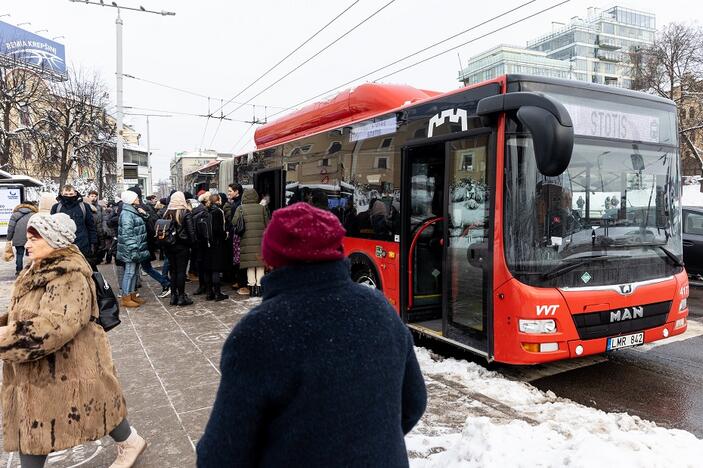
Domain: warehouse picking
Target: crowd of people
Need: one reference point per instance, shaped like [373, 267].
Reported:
[337, 384]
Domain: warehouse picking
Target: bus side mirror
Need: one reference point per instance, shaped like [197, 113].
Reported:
[553, 142]
[548, 121]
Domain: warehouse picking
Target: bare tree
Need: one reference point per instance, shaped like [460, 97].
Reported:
[673, 68]
[74, 129]
[21, 91]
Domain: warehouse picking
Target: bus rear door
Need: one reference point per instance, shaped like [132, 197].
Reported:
[446, 240]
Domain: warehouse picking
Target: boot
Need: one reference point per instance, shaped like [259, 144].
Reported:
[184, 300]
[244, 291]
[174, 298]
[138, 299]
[129, 450]
[218, 294]
[128, 302]
[210, 295]
[200, 291]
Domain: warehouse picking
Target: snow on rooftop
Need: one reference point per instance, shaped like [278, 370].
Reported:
[478, 418]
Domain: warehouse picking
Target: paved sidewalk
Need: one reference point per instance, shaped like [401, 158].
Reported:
[168, 363]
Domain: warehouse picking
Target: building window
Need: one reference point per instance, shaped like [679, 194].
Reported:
[324, 162]
[386, 143]
[467, 162]
[292, 166]
[24, 115]
[381, 163]
[334, 147]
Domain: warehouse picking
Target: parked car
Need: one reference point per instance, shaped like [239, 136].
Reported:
[693, 240]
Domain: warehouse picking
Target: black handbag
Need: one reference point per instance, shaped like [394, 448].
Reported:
[240, 227]
[109, 316]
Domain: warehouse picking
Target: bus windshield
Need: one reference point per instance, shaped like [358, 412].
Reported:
[612, 217]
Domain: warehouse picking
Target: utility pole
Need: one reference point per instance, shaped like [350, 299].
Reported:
[148, 142]
[119, 75]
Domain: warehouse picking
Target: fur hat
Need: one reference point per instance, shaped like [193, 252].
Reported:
[58, 230]
[301, 233]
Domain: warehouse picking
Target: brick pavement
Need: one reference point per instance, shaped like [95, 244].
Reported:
[167, 360]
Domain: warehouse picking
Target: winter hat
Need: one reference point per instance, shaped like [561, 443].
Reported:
[58, 230]
[128, 197]
[301, 233]
[178, 202]
[46, 202]
[136, 189]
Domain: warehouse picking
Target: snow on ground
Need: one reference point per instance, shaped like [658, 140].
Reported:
[478, 418]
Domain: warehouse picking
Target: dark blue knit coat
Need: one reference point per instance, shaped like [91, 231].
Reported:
[322, 374]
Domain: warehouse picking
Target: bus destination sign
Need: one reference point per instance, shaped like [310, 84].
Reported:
[607, 123]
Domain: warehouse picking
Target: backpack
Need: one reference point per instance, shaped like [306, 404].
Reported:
[165, 232]
[202, 227]
[81, 204]
[109, 316]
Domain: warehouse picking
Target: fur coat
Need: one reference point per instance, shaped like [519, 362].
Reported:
[59, 388]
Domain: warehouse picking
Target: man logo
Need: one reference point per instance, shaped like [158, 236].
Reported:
[625, 289]
[627, 314]
[454, 115]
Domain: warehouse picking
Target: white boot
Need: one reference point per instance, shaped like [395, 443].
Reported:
[129, 450]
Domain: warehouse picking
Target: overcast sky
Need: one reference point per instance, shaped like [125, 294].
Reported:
[216, 48]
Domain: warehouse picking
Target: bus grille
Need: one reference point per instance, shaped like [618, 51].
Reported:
[616, 321]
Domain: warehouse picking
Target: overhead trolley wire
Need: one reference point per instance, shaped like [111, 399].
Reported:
[314, 55]
[324, 93]
[287, 56]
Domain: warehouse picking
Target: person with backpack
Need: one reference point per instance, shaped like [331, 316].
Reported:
[252, 217]
[17, 231]
[70, 202]
[334, 384]
[177, 237]
[220, 251]
[203, 234]
[59, 386]
[132, 247]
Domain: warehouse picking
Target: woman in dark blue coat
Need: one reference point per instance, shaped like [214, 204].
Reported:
[323, 373]
[132, 247]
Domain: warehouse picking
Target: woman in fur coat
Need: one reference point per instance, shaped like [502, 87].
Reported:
[59, 388]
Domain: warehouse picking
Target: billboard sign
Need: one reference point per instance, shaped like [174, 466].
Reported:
[19, 45]
[10, 197]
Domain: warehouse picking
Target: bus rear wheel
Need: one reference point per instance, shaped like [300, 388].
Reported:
[365, 275]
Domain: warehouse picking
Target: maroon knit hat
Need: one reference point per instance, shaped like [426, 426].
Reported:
[301, 233]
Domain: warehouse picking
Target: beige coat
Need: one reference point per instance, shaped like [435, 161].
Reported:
[59, 388]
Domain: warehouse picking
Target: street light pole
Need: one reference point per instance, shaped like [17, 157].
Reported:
[119, 77]
[120, 111]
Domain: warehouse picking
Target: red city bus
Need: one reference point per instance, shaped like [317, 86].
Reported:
[525, 219]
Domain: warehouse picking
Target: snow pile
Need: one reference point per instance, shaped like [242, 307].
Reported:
[519, 425]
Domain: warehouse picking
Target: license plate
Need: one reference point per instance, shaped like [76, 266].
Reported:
[625, 341]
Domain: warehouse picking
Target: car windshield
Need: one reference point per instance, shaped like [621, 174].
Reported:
[617, 198]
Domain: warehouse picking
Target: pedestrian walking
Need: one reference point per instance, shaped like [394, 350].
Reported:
[59, 387]
[219, 249]
[71, 203]
[17, 232]
[132, 248]
[178, 213]
[255, 221]
[336, 383]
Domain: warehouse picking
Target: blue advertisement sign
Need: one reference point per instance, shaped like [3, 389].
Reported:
[24, 46]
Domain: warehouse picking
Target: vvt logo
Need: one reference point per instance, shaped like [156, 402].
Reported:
[547, 309]
[454, 116]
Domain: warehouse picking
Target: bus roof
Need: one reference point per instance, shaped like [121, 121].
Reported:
[373, 100]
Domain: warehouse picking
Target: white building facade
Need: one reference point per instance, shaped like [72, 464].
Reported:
[596, 49]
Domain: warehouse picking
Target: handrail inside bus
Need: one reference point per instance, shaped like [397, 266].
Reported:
[413, 244]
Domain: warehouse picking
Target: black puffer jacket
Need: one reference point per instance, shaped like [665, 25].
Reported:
[86, 234]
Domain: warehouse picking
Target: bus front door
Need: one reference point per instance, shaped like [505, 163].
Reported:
[270, 184]
[446, 207]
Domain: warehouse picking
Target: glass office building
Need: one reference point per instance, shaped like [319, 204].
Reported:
[595, 49]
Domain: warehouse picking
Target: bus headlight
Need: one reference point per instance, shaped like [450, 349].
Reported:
[537, 326]
[683, 304]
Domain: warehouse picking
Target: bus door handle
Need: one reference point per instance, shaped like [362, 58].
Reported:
[687, 244]
[476, 254]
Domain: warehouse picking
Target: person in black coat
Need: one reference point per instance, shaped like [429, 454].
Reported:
[178, 212]
[322, 373]
[70, 202]
[220, 249]
[200, 253]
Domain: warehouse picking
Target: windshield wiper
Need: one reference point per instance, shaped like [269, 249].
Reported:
[562, 269]
[672, 256]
